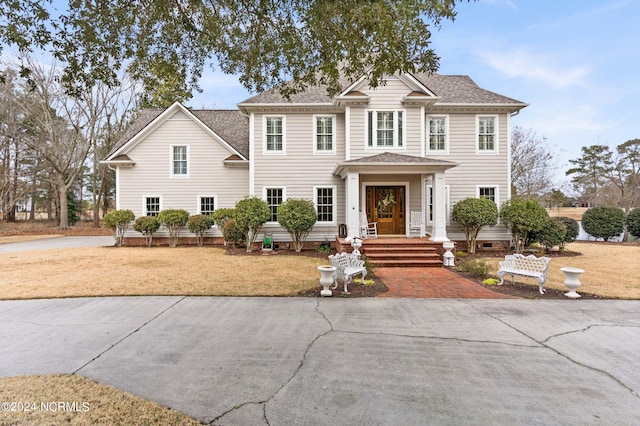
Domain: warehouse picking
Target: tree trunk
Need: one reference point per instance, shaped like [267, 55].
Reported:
[64, 208]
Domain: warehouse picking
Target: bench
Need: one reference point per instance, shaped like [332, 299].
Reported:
[347, 265]
[527, 266]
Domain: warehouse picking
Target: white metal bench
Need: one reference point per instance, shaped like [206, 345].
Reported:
[527, 266]
[347, 265]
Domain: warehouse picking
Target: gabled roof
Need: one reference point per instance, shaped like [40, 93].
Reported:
[231, 127]
[449, 90]
[395, 158]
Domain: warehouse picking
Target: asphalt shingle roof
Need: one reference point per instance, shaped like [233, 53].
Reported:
[394, 158]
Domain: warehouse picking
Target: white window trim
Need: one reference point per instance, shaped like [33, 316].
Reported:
[497, 189]
[395, 146]
[199, 202]
[447, 189]
[171, 174]
[264, 197]
[444, 151]
[496, 141]
[315, 134]
[144, 203]
[265, 151]
[334, 206]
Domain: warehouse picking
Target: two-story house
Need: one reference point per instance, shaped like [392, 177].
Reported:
[417, 144]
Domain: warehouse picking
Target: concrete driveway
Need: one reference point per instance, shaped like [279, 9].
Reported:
[290, 361]
[57, 243]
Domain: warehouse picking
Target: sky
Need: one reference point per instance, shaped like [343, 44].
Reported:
[575, 62]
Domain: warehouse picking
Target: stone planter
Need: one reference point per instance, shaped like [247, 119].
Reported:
[326, 279]
[572, 280]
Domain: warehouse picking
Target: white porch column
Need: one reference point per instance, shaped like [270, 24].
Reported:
[352, 204]
[439, 231]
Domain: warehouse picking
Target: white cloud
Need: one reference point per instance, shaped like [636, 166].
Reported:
[519, 63]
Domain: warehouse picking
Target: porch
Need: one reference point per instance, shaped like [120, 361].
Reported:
[398, 251]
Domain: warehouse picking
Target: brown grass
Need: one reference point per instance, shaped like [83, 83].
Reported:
[89, 403]
[128, 271]
[19, 238]
[572, 212]
[611, 270]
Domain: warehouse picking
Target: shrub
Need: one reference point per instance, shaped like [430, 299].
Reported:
[221, 216]
[633, 222]
[174, 220]
[552, 234]
[521, 218]
[474, 214]
[478, 269]
[232, 234]
[147, 226]
[297, 216]
[199, 224]
[603, 222]
[573, 230]
[251, 213]
[119, 220]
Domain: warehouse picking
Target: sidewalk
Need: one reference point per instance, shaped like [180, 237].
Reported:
[432, 283]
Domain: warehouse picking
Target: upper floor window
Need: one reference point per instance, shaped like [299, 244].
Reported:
[324, 134]
[487, 133]
[438, 134]
[274, 197]
[385, 129]
[274, 134]
[206, 205]
[152, 206]
[325, 203]
[179, 160]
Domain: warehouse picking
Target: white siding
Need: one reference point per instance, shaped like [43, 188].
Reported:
[208, 176]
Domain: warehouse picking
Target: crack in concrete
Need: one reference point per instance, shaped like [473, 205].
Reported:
[582, 330]
[295, 373]
[129, 335]
[563, 355]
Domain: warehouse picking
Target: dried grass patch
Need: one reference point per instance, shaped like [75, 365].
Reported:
[128, 271]
[85, 402]
[611, 270]
[20, 238]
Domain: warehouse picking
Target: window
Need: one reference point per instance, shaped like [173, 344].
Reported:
[207, 205]
[438, 134]
[152, 206]
[385, 129]
[487, 134]
[274, 134]
[179, 160]
[325, 200]
[324, 134]
[490, 192]
[274, 197]
[430, 204]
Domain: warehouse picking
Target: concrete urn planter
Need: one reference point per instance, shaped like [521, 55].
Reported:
[572, 280]
[326, 279]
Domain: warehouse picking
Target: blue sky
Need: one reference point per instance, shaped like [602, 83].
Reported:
[576, 62]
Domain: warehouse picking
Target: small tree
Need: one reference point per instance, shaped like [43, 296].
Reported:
[522, 217]
[251, 214]
[174, 220]
[118, 220]
[603, 222]
[572, 230]
[220, 219]
[633, 222]
[474, 214]
[199, 224]
[147, 226]
[232, 235]
[297, 216]
[552, 234]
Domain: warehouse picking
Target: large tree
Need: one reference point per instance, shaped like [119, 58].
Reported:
[590, 171]
[170, 42]
[532, 164]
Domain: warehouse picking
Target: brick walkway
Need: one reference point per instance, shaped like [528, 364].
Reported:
[432, 283]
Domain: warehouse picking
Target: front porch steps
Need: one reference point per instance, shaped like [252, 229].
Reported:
[401, 252]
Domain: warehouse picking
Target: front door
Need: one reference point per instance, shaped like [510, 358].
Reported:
[385, 206]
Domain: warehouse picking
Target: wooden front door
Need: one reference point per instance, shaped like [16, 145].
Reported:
[385, 206]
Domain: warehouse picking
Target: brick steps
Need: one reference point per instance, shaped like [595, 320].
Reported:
[402, 253]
